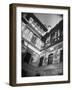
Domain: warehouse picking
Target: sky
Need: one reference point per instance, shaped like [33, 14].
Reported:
[49, 19]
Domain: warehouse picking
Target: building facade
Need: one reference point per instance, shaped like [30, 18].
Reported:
[42, 51]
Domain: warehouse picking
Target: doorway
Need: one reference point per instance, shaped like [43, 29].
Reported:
[26, 58]
[41, 61]
[61, 55]
[50, 59]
